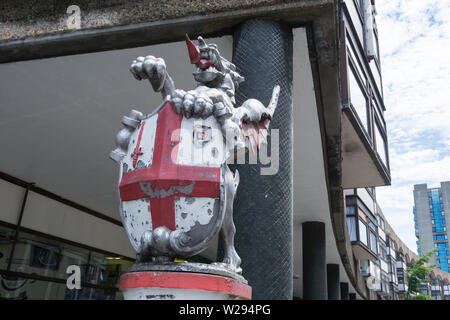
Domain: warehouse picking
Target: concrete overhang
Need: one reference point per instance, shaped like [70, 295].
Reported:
[361, 252]
[361, 165]
[42, 31]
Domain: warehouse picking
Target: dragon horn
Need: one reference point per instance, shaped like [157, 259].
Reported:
[194, 51]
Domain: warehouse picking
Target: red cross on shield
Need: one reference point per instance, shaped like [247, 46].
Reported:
[149, 194]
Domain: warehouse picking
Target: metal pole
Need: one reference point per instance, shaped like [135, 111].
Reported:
[19, 222]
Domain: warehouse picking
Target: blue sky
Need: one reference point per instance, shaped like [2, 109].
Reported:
[415, 61]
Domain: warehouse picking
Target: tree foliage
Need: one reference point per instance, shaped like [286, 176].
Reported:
[421, 296]
[417, 275]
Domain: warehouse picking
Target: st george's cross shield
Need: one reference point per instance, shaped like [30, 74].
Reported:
[172, 176]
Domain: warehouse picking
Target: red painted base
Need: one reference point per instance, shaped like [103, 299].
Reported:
[182, 285]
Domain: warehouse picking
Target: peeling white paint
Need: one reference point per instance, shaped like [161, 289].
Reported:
[136, 218]
[188, 211]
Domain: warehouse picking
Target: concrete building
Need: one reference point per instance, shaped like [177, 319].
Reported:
[65, 85]
[430, 219]
[382, 256]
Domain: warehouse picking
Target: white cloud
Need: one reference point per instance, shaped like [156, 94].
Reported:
[415, 57]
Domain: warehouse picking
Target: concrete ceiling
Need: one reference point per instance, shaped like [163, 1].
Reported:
[59, 117]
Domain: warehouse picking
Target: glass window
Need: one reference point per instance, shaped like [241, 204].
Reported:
[382, 250]
[372, 226]
[106, 270]
[362, 232]
[373, 242]
[350, 210]
[375, 37]
[351, 226]
[42, 256]
[358, 99]
[31, 289]
[38, 255]
[381, 145]
[355, 59]
[6, 242]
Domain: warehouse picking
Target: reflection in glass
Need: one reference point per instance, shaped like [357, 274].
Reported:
[12, 288]
[351, 225]
[373, 242]
[381, 146]
[362, 232]
[358, 99]
[6, 242]
[46, 257]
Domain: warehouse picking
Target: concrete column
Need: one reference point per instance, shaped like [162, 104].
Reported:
[344, 291]
[263, 209]
[334, 289]
[314, 261]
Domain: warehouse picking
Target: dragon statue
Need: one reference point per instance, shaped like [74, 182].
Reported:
[244, 126]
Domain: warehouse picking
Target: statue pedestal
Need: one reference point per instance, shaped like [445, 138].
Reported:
[183, 281]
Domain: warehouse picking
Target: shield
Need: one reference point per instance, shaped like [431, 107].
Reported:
[173, 176]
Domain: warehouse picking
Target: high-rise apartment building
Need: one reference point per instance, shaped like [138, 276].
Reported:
[430, 210]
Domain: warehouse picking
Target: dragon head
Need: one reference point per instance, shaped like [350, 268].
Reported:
[212, 68]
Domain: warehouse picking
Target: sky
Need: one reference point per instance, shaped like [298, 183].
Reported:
[414, 40]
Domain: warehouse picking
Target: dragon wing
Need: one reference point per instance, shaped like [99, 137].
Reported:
[254, 119]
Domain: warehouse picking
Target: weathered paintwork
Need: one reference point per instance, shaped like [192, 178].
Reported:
[182, 285]
[170, 177]
[176, 190]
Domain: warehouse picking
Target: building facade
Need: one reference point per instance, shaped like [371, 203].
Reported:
[383, 258]
[430, 221]
[312, 230]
